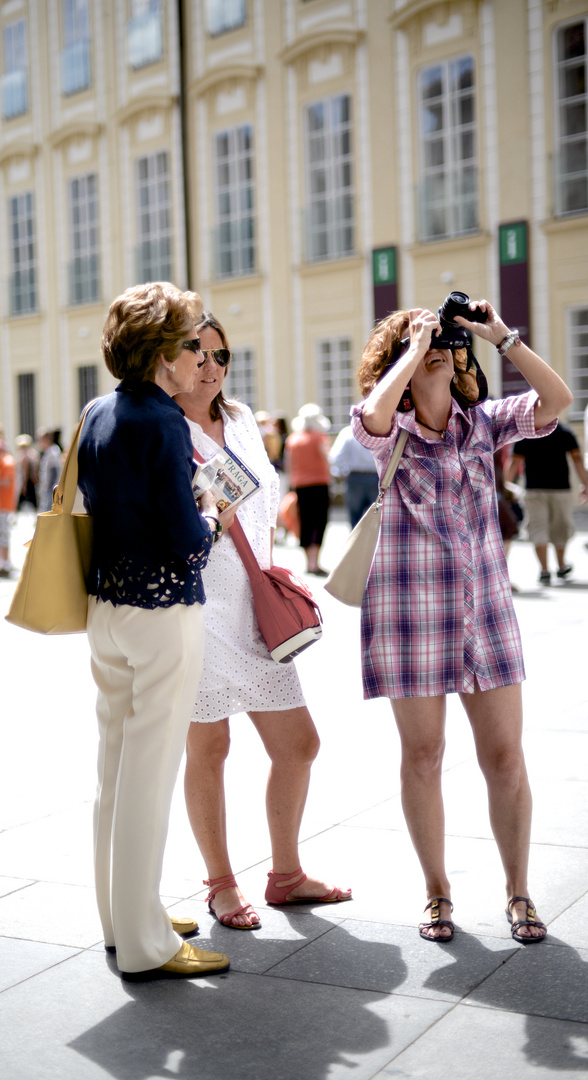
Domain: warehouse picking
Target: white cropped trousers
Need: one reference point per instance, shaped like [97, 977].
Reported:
[147, 666]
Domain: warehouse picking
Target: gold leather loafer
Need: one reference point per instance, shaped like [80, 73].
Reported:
[183, 925]
[188, 963]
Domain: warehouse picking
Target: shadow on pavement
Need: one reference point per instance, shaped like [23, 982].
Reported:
[239, 1024]
[546, 983]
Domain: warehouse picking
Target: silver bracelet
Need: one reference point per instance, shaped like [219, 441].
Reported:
[512, 338]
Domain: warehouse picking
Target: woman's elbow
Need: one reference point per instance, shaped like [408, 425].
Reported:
[375, 421]
[561, 400]
[548, 408]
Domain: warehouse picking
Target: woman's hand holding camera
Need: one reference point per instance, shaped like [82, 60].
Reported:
[493, 330]
[422, 325]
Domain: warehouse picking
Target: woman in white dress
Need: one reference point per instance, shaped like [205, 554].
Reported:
[252, 682]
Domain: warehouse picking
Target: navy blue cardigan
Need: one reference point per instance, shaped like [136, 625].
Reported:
[135, 465]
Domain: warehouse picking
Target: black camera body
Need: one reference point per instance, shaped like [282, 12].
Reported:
[454, 336]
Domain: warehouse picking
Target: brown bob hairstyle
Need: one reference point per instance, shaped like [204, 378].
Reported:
[209, 321]
[144, 323]
[384, 347]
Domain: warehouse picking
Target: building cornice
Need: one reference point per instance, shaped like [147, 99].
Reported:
[331, 266]
[450, 244]
[18, 148]
[438, 8]
[223, 73]
[76, 129]
[334, 35]
[163, 102]
[573, 223]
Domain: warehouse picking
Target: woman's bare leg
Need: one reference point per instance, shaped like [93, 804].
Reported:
[292, 743]
[421, 725]
[496, 717]
[207, 748]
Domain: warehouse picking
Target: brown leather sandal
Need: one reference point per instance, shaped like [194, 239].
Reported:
[530, 920]
[436, 921]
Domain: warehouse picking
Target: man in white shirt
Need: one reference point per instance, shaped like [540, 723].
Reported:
[352, 461]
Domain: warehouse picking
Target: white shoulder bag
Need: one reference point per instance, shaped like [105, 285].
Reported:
[347, 581]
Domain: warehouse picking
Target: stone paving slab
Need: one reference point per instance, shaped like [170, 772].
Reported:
[391, 959]
[282, 934]
[83, 1021]
[19, 960]
[56, 848]
[553, 984]
[388, 888]
[477, 1044]
[53, 912]
[9, 885]
[572, 926]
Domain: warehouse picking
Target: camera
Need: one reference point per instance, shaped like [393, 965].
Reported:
[454, 336]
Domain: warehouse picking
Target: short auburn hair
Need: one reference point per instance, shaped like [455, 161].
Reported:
[144, 323]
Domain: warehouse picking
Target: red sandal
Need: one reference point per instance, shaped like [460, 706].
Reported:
[217, 885]
[274, 893]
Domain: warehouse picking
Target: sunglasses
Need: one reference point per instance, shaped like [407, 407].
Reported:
[221, 356]
[193, 345]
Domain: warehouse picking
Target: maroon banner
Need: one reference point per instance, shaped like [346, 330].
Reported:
[385, 282]
[514, 297]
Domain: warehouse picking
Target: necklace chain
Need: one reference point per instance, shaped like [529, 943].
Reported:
[438, 431]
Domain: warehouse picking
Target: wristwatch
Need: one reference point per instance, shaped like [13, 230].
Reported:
[217, 530]
[512, 338]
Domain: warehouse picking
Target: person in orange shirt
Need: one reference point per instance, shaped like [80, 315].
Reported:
[307, 461]
[7, 504]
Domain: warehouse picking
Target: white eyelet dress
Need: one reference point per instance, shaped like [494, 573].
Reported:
[239, 674]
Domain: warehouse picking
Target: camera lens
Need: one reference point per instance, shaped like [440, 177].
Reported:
[457, 303]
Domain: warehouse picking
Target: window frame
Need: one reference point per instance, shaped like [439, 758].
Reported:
[226, 25]
[235, 234]
[88, 384]
[147, 20]
[332, 381]
[453, 168]
[84, 240]
[75, 59]
[575, 372]
[329, 234]
[559, 178]
[243, 372]
[15, 74]
[22, 236]
[158, 266]
[26, 395]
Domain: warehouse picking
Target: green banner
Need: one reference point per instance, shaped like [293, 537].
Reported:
[384, 266]
[513, 243]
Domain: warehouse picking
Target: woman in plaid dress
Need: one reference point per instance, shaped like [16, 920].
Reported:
[437, 615]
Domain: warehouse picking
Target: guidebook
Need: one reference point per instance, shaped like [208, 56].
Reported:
[227, 477]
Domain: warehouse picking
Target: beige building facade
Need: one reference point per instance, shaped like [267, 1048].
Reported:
[306, 165]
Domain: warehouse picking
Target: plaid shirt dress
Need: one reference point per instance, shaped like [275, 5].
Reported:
[437, 613]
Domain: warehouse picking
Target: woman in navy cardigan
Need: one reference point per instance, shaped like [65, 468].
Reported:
[145, 618]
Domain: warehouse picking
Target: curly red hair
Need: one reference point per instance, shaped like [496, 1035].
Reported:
[383, 347]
